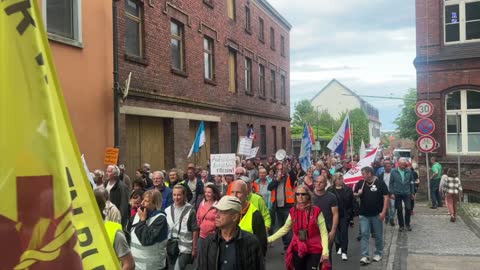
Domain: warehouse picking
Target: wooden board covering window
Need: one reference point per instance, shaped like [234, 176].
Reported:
[231, 9]
[232, 71]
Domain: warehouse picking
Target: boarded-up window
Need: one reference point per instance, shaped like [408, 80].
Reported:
[231, 9]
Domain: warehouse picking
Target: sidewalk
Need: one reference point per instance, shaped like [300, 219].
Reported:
[470, 213]
[434, 244]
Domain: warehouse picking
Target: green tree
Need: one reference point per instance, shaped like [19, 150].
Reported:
[326, 121]
[386, 141]
[304, 112]
[358, 127]
[407, 119]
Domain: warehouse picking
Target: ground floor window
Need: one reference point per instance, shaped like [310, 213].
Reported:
[462, 109]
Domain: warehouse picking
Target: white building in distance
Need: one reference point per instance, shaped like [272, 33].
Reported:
[336, 98]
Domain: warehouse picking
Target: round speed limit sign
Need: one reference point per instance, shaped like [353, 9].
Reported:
[424, 108]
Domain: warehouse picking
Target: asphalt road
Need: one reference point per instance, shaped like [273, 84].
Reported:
[275, 259]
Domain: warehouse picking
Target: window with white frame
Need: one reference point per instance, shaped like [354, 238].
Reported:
[273, 86]
[209, 70]
[248, 23]
[283, 94]
[462, 21]
[63, 19]
[134, 35]
[463, 110]
[261, 30]
[176, 45]
[261, 80]
[248, 75]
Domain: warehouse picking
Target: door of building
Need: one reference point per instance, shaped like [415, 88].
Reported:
[145, 142]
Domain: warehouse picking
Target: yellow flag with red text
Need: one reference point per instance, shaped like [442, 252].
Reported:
[49, 218]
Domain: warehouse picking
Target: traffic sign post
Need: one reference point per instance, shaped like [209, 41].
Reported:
[424, 108]
[425, 126]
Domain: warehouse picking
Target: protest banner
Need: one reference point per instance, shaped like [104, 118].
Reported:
[253, 152]
[355, 173]
[111, 156]
[244, 146]
[221, 164]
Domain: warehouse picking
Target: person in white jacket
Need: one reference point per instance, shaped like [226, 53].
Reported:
[184, 231]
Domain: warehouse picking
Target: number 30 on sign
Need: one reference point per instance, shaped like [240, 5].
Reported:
[424, 108]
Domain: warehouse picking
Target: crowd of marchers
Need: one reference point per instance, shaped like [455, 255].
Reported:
[173, 219]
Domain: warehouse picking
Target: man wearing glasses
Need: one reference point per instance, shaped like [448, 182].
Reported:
[327, 202]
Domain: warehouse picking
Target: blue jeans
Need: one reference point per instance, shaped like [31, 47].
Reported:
[366, 225]
[434, 193]
[391, 210]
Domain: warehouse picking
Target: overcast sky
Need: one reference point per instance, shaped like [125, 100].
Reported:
[368, 45]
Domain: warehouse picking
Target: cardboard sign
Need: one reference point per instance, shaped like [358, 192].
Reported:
[222, 164]
[111, 156]
[253, 152]
[245, 146]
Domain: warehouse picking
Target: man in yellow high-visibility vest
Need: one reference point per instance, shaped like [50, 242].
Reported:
[251, 219]
[116, 235]
[257, 201]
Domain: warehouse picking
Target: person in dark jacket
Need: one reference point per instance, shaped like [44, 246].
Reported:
[282, 187]
[251, 218]
[344, 196]
[118, 191]
[173, 179]
[159, 184]
[402, 189]
[195, 185]
[149, 233]
[385, 177]
[230, 245]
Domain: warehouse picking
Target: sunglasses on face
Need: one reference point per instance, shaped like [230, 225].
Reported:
[301, 194]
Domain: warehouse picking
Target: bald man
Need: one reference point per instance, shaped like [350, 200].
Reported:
[251, 219]
[402, 189]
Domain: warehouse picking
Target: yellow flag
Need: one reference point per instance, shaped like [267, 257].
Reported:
[49, 218]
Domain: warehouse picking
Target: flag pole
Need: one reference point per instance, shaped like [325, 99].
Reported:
[351, 137]
[206, 150]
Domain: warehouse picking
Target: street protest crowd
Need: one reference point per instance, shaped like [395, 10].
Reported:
[162, 219]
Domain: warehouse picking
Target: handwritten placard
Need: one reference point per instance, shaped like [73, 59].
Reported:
[221, 164]
[245, 146]
[253, 152]
[111, 156]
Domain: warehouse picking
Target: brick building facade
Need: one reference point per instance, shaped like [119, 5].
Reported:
[222, 62]
[448, 75]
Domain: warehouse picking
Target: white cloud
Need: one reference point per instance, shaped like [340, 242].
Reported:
[367, 45]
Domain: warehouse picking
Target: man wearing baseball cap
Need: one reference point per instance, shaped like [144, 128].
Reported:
[223, 247]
